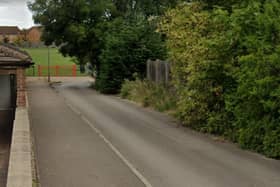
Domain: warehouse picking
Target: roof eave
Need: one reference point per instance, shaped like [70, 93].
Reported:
[16, 64]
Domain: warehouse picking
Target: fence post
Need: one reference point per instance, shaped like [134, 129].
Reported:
[39, 70]
[149, 70]
[157, 63]
[158, 71]
[74, 70]
[167, 72]
[57, 71]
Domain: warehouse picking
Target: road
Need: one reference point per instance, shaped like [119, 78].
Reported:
[164, 154]
[68, 153]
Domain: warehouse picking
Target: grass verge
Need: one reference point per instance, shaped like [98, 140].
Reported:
[149, 94]
[40, 57]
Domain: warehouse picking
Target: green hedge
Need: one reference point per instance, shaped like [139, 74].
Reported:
[226, 65]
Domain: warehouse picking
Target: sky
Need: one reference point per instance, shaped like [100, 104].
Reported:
[15, 13]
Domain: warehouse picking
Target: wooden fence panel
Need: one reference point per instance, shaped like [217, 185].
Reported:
[158, 71]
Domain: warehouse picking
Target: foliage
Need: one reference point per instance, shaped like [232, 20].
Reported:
[18, 41]
[224, 4]
[226, 70]
[149, 94]
[102, 32]
[6, 40]
[255, 103]
[225, 54]
[128, 45]
[144, 7]
[72, 25]
[196, 68]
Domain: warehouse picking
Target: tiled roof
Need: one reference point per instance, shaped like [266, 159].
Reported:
[12, 56]
[9, 30]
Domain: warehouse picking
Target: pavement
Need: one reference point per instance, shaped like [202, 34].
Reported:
[151, 143]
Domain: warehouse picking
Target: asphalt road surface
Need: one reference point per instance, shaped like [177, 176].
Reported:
[164, 154]
[68, 152]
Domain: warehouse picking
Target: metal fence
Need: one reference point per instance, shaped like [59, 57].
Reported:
[158, 71]
[65, 70]
[55, 71]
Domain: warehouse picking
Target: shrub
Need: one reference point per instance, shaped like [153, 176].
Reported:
[255, 102]
[200, 54]
[149, 94]
[272, 143]
[226, 64]
[128, 45]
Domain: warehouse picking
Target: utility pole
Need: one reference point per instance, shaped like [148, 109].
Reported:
[49, 73]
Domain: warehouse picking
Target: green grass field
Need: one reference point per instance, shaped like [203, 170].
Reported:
[40, 57]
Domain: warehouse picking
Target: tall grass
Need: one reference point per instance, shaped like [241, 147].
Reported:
[149, 94]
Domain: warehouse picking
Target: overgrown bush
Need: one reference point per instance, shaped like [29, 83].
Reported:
[199, 51]
[226, 64]
[149, 94]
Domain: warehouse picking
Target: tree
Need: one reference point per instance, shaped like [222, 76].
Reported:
[224, 4]
[128, 45]
[73, 25]
[130, 41]
[82, 29]
[145, 7]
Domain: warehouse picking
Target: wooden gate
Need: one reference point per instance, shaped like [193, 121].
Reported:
[158, 71]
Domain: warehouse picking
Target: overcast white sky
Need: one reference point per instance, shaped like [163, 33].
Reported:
[15, 13]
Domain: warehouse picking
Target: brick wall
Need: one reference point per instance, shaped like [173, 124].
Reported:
[21, 87]
[21, 84]
[34, 35]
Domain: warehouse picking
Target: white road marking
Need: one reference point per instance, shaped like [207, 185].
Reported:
[112, 147]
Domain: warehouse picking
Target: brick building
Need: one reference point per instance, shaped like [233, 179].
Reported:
[34, 34]
[10, 33]
[13, 34]
[13, 62]
[12, 82]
